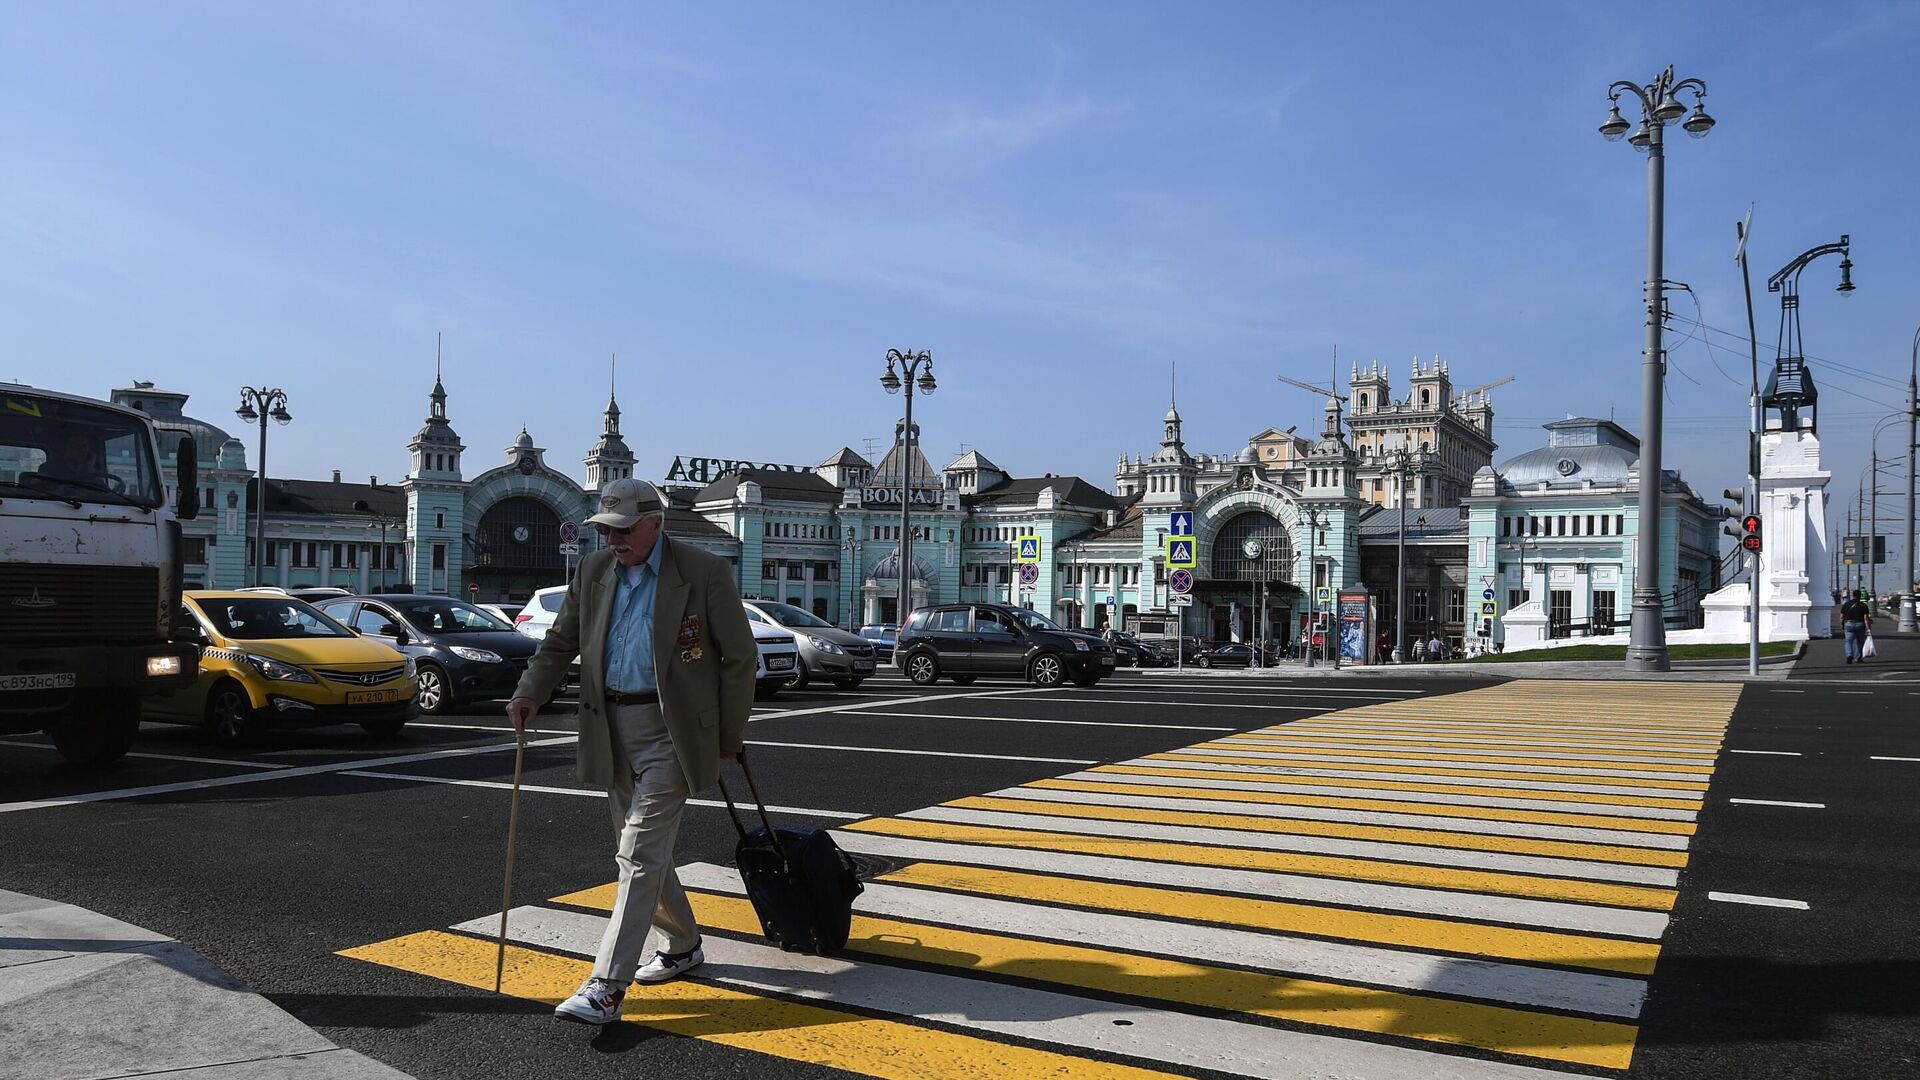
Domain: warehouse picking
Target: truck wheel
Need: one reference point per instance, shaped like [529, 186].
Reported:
[230, 720]
[435, 696]
[98, 732]
[1046, 670]
[383, 729]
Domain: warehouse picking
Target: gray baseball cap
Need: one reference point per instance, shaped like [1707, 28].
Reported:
[624, 502]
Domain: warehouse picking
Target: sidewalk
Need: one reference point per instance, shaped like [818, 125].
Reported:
[1898, 659]
[84, 996]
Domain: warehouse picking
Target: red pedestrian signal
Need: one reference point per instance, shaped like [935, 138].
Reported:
[1750, 532]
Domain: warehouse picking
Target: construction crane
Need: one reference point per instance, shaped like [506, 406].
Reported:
[1462, 395]
[1321, 390]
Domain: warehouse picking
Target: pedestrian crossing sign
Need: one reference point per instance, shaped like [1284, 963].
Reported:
[1489, 607]
[1029, 550]
[1180, 553]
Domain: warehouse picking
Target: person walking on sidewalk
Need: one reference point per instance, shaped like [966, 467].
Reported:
[1856, 621]
[667, 662]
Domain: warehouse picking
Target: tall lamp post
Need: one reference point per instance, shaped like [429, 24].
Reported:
[1910, 567]
[917, 367]
[257, 405]
[1400, 460]
[1659, 106]
[1314, 520]
[383, 523]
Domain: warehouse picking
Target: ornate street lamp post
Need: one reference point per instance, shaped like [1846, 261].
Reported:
[257, 405]
[383, 523]
[1659, 106]
[918, 369]
[1314, 520]
[1400, 460]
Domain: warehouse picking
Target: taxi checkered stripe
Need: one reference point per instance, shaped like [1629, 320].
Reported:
[1469, 886]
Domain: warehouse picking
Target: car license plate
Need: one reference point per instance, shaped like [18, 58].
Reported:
[63, 680]
[371, 697]
[864, 667]
[780, 663]
[1106, 661]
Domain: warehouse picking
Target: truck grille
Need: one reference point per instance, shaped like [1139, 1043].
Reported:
[42, 604]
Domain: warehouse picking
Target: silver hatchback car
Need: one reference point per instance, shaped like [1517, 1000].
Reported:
[826, 651]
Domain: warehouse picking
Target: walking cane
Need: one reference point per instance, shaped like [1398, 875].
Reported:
[506, 889]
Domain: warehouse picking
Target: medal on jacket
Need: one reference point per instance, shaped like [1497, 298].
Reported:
[690, 639]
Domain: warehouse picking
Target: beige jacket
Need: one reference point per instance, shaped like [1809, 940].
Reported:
[705, 701]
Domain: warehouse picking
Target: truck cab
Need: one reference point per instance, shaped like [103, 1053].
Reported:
[90, 570]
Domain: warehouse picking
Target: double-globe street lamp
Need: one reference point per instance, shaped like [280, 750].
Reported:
[1910, 565]
[382, 522]
[1660, 105]
[917, 367]
[257, 405]
[1401, 460]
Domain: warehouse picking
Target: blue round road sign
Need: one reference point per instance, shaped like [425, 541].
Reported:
[1486, 594]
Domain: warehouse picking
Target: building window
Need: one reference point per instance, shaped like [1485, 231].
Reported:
[1506, 526]
[1456, 605]
[1603, 608]
[1589, 524]
[1516, 597]
[194, 549]
[1417, 607]
[439, 519]
[1619, 524]
[439, 556]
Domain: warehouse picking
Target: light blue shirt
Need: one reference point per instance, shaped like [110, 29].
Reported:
[630, 636]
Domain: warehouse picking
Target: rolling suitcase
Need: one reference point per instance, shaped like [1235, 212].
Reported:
[801, 884]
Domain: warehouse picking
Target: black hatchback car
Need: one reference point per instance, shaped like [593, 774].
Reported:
[965, 641]
[461, 653]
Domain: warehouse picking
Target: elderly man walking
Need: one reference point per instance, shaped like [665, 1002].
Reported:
[666, 685]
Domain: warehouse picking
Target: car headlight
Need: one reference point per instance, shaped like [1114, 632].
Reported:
[478, 656]
[825, 646]
[276, 671]
[1080, 645]
[412, 670]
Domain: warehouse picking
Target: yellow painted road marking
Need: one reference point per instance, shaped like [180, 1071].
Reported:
[1435, 770]
[1408, 931]
[1337, 802]
[1303, 1001]
[1340, 722]
[1561, 849]
[1369, 737]
[1391, 785]
[1483, 881]
[1470, 757]
[766, 1025]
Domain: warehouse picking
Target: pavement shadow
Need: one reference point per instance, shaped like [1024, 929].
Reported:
[1744, 999]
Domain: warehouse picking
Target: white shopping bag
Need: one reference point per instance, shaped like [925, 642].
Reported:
[1866, 648]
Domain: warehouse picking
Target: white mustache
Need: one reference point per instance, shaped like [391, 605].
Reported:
[622, 549]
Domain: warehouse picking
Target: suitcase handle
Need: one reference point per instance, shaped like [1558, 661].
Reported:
[734, 812]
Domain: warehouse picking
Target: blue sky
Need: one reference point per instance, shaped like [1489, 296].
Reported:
[750, 203]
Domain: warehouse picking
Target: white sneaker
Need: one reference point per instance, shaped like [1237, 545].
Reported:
[596, 1002]
[666, 965]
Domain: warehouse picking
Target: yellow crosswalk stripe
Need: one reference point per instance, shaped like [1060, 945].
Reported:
[1485, 881]
[1409, 931]
[1309, 746]
[1344, 722]
[1370, 737]
[1360, 802]
[1430, 837]
[766, 1025]
[1336, 1006]
[1442, 789]
[1436, 770]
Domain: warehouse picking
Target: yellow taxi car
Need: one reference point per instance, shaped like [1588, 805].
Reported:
[273, 661]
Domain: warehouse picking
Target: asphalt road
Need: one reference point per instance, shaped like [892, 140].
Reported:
[276, 860]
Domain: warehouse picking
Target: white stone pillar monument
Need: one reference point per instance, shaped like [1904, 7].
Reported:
[1796, 598]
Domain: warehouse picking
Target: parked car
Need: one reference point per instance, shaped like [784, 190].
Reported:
[318, 593]
[1146, 653]
[274, 661]
[1232, 654]
[965, 641]
[460, 652]
[779, 657]
[826, 651]
[504, 612]
[883, 636]
[533, 619]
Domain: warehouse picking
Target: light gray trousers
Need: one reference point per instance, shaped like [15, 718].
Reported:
[646, 800]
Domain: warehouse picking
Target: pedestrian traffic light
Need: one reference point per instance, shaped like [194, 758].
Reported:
[1750, 532]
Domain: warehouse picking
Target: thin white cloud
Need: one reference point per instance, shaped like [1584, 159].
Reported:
[1010, 131]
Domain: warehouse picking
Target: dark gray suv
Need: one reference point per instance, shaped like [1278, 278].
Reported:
[461, 652]
[965, 641]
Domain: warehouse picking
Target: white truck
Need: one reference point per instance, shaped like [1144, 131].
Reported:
[89, 570]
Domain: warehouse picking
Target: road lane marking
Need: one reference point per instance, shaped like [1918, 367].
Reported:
[869, 703]
[1483, 881]
[1770, 802]
[1254, 817]
[1451, 750]
[1263, 840]
[50, 748]
[839, 815]
[1338, 892]
[1032, 720]
[1772, 753]
[1410, 779]
[1760, 901]
[1299, 811]
[262, 777]
[1893, 759]
[1234, 749]
[917, 753]
[745, 1021]
[1563, 808]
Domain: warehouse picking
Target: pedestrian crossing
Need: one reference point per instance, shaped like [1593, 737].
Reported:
[1471, 886]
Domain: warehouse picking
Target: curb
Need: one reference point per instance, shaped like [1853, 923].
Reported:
[83, 995]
